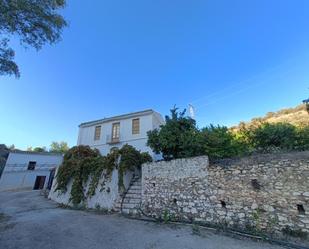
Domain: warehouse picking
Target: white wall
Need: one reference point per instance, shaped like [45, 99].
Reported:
[20, 160]
[147, 123]
[105, 197]
[16, 175]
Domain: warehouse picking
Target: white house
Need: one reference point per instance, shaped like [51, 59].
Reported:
[114, 132]
[29, 170]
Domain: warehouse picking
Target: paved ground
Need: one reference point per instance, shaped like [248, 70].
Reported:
[28, 220]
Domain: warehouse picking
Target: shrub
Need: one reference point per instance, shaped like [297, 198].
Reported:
[180, 138]
[219, 142]
[81, 163]
[267, 136]
[130, 159]
[302, 138]
[78, 164]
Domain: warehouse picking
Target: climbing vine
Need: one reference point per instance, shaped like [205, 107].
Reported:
[81, 163]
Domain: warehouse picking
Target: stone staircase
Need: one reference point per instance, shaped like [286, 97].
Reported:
[130, 204]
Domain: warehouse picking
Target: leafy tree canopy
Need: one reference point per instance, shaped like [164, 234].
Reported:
[219, 142]
[34, 22]
[59, 147]
[37, 149]
[40, 149]
[177, 138]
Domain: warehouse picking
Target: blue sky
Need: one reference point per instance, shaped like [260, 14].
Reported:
[233, 60]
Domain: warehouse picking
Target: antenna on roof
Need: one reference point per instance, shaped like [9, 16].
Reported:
[191, 111]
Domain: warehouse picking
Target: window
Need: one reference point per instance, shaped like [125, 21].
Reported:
[97, 132]
[135, 126]
[31, 165]
[115, 131]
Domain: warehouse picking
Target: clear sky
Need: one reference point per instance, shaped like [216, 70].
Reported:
[233, 60]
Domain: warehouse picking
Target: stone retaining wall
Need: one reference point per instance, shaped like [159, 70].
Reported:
[261, 193]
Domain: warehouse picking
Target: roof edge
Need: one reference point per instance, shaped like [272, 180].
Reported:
[118, 117]
[36, 153]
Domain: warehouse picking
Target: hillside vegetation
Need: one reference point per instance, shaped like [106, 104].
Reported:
[179, 137]
[297, 116]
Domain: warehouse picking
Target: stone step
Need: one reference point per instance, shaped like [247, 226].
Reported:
[134, 212]
[135, 187]
[130, 205]
[133, 195]
[132, 200]
[134, 192]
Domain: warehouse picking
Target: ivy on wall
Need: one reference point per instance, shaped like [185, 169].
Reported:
[82, 163]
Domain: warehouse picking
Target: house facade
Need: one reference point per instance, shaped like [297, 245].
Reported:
[29, 170]
[114, 132]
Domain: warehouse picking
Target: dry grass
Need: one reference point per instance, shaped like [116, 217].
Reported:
[297, 116]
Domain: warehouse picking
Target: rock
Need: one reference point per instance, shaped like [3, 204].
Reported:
[306, 194]
[254, 206]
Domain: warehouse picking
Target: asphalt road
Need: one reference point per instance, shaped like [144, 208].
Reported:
[28, 220]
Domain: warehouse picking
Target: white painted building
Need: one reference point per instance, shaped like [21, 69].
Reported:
[29, 170]
[114, 132]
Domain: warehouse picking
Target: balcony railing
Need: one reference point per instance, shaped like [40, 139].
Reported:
[112, 140]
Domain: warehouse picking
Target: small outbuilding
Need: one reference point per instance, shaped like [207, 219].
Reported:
[29, 170]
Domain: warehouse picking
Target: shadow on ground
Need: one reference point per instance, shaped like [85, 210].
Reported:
[28, 220]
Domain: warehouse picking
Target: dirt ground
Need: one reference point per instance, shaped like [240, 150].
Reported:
[28, 220]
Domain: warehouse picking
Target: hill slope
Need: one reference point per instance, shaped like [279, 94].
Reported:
[297, 116]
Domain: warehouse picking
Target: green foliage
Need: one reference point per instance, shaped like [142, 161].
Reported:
[166, 216]
[298, 233]
[219, 142]
[130, 159]
[276, 136]
[178, 138]
[59, 147]
[34, 22]
[145, 157]
[82, 163]
[39, 149]
[302, 138]
[280, 135]
[78, 164]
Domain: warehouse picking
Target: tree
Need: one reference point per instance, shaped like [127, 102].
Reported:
[178, 138]
[34, 22]
[59, 147]
[39, 149]
[269, 136]
[219, 142]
